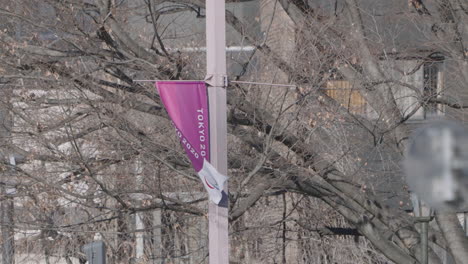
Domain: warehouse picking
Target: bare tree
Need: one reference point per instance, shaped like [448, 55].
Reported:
[305, 163]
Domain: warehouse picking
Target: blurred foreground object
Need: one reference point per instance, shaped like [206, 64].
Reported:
[436, 165]
[95, 252]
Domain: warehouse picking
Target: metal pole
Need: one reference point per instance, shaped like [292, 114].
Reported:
[424, 242]
[139, 225]
[8, 252]
[157, 241]
[465, 223]
[424, 221]
[8, 233]
[216, 78]
[95, 252]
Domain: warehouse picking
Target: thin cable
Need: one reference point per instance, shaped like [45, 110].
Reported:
[240, 82]
[259, 83]
[167, 80]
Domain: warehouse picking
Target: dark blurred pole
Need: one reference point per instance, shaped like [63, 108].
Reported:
[424, 220]
[6, 181]
[424, 242]
[8, 249]
[95, 252]
[423, 215]
[7, 207]
[465, 222]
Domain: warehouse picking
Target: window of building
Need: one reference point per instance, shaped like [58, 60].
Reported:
[432, 87]
[427, 77]
[343, 93]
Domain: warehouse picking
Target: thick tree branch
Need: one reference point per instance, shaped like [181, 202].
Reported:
[454, 235]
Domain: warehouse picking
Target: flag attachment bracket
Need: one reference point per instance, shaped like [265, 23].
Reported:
[215, 80]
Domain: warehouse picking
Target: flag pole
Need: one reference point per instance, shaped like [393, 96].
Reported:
[216, 78]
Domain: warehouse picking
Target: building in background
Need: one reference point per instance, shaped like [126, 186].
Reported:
[277, 228]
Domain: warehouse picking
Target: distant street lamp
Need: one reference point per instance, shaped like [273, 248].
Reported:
[423, 215]
[436, 166]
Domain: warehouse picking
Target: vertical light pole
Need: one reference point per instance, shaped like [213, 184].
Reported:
[423, 215]
[7, 211]
[217, 80]
[139, 225]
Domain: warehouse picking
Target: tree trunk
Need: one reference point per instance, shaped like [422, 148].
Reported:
[8, 252]
[454, 235]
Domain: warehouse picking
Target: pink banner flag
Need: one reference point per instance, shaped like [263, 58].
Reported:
[187, 106]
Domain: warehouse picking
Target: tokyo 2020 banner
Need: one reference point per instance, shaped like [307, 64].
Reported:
[187, 106]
